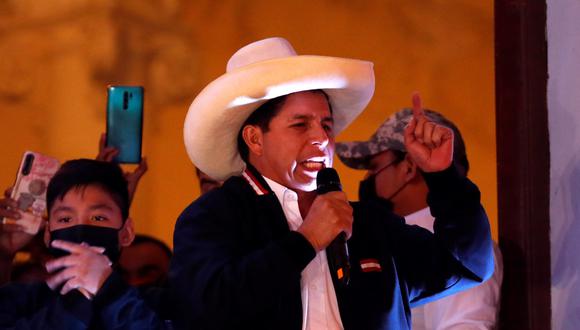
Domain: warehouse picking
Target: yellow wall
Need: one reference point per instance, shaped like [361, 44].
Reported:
[52, 98]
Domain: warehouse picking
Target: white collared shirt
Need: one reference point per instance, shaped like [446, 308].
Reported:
[421, 218]
[319, 304]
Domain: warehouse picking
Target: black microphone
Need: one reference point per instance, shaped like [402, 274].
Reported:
[327, 180]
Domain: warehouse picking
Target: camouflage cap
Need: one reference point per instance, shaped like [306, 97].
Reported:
[390, 136]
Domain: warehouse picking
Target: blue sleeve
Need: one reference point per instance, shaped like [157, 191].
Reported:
[459, 254]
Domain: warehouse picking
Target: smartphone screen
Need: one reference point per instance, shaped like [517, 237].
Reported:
[125, 122]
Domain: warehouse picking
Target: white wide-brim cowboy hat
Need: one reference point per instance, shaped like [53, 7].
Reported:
[259, 72]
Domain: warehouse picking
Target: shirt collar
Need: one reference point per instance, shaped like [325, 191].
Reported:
[422, 218]
[280, 191]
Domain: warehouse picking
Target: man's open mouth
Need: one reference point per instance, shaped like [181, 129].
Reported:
[314, 164]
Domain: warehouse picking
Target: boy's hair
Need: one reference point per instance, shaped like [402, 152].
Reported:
[80, 173]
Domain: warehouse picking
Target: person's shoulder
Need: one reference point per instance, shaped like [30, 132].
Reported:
[232, 192]
[233, 188]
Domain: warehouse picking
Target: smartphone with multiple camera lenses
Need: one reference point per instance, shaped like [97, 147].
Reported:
[125, 122]
[29, 190]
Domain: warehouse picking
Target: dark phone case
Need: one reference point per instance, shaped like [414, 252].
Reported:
[125, 122]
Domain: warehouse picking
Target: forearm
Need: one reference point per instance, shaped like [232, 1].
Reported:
[458, 255]
[461, 224]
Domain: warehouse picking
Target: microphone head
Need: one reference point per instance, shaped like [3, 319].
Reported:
[327, 180]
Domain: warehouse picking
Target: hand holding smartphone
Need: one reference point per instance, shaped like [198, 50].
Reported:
[29, 190]
[125, 122]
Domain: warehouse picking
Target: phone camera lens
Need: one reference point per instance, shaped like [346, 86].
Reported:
[27, 164]
[125, 100]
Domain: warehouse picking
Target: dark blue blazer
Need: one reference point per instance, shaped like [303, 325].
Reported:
[237, 265]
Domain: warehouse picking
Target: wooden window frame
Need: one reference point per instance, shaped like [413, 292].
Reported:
[523, 162]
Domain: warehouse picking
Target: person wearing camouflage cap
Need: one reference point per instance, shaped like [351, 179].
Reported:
[393, 177]
[385, 150]
[390, 136]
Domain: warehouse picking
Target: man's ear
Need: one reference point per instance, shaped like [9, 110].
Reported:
[410, 168]
[127, 233]
[252, 135]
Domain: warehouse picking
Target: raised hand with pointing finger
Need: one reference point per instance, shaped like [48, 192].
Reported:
[429, 144]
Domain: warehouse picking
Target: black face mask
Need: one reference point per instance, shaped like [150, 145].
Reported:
[92, 235]
[367, 191]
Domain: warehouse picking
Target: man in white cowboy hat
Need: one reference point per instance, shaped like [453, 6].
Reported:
[394, 177]
[252, 253]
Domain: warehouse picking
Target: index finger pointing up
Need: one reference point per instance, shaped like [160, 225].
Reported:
[417, 106]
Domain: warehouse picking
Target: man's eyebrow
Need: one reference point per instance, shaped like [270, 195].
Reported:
[295, 117]
[306, 117]
[101, 206]
[63, 208]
